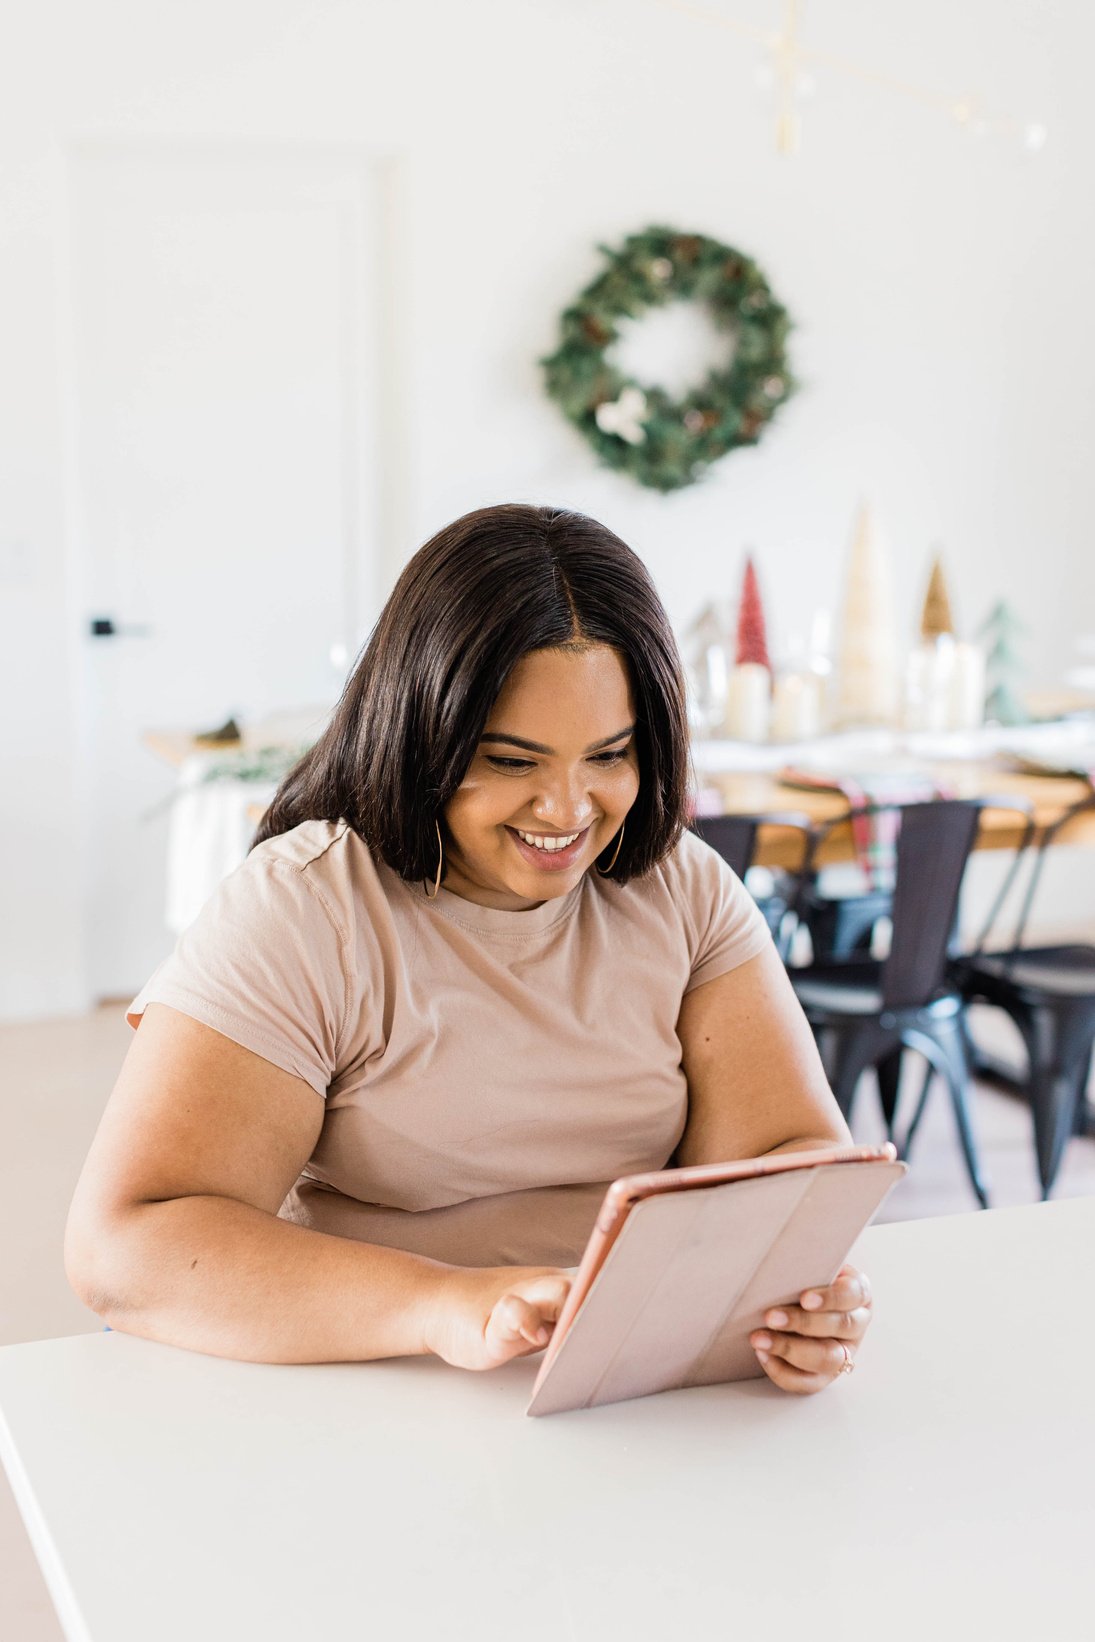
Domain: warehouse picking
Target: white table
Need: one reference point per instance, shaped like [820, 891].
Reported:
[945, 1490]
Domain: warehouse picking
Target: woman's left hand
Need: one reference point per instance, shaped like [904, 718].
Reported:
[803, 1348]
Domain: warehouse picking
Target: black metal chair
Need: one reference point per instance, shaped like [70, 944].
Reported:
[865, 1011]
[734, 837]
[838, 925]
[1049, 992]
[844, 923]
[841, 925]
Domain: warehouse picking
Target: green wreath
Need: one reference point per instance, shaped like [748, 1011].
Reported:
[663, 442]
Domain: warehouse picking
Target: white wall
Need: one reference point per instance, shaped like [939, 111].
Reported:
[940, 287]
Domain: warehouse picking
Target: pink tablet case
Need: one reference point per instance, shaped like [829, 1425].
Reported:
[692, 1274]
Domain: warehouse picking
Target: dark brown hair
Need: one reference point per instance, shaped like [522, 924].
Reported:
[482, 593]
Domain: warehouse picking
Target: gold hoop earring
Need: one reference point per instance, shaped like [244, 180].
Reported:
[606, 870]
[440, 863]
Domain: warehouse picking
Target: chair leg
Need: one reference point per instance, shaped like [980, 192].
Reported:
[943, 1044]
[958, 1081]
[1048, 1091]
[848, 1068]
[889, 1080]
[853, 931]
[1084, 1109]
[1060, 1045]
[821, 922]
[857, 1047]
[976, 1060]
[930, 1073]
[1053, 1099]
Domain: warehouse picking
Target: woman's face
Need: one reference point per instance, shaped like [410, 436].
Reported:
[556, 760]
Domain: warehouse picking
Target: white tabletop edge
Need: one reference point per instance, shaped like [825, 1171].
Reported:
[848, 1420]
[49, 1560]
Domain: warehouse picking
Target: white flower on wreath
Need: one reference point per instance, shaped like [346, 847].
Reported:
[624, 416]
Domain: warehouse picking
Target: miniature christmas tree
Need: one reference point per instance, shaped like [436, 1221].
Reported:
[867, 670]
[752, 634]
[936, 618]
[1003, 666]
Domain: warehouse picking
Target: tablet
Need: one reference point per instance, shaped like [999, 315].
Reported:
[682, 1264]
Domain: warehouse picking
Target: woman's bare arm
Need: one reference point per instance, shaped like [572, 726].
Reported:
[756, 1085]
[173, 1231]
[755, 1079]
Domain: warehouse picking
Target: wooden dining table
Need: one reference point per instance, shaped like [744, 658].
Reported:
[764, 792]
[756, 792]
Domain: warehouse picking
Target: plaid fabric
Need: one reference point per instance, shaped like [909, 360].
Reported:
[874, 835]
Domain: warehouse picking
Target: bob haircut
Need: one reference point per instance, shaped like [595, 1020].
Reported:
[482, 593]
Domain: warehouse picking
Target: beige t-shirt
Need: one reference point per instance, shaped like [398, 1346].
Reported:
[485, 1073]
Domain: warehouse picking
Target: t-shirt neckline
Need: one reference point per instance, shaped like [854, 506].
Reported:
[496, 920]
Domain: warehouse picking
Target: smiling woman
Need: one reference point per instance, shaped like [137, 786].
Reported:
[511, 625]
[384, 1079]
[554, 812]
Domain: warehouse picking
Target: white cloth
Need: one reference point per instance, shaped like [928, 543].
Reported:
[1067, 742]
[208, 834]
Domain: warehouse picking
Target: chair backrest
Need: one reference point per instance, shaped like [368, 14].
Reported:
[933, 847]
[733, 836]
[1049, 837]
[937, 840]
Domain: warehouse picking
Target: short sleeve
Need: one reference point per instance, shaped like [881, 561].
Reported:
[265, 964]
[728, 927]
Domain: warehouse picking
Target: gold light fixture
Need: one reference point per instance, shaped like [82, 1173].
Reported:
[789, 59]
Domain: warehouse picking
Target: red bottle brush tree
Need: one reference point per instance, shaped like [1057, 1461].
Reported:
[752, 635]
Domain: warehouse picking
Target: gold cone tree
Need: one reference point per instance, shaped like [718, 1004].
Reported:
[936, 618]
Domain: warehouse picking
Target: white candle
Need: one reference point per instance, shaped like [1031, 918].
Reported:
[796, 707]
[928, 685]
[967, 688]
[747, 701]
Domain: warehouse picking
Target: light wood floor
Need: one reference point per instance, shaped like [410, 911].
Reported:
[57, 1075]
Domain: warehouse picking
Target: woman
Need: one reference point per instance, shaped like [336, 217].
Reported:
[472, 969]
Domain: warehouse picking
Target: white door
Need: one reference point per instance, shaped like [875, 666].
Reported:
[216, 315]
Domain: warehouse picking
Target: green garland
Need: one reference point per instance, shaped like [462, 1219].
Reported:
[663, 442]
[271, 763]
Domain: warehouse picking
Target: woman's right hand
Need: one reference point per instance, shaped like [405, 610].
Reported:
[481, 1317]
